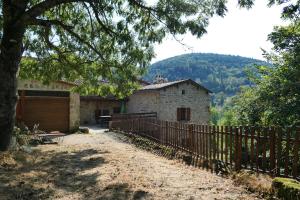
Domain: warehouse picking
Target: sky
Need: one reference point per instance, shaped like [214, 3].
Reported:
[241, 32]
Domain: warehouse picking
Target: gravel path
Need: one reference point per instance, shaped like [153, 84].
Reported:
[101, 166]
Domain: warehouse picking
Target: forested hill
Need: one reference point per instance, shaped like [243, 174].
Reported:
[222, 74]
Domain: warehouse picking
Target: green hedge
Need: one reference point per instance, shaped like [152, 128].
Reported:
[286, 188]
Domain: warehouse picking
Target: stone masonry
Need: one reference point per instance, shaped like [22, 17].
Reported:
[165, 102]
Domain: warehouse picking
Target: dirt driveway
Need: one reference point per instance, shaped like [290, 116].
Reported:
[101, 166]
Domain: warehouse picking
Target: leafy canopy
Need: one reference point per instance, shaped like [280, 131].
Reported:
[109, 40]
[276, 98]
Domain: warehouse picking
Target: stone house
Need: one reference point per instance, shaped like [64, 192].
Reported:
[54, 106]
[183, 100]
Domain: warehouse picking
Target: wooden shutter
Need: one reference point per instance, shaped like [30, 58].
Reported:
[183, 114]
[188, 110]
[178, 114]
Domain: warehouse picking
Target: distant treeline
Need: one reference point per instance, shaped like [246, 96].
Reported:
[222, 74]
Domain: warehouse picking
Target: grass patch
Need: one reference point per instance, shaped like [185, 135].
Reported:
[260, 183]
[7, 160]
[15, 159]
[256, 183]
[153, 147]
[156, 148]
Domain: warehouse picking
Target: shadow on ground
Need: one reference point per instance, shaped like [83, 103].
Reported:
[54, 174]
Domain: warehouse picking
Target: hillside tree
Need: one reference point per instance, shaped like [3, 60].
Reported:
[275, 98]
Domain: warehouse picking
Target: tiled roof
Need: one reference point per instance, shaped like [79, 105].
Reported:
[160, 85]
[168, 84]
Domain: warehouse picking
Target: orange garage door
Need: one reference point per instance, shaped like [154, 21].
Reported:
[51, 113]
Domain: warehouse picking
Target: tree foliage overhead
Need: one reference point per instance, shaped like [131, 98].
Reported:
[110, 39]
[96, 40]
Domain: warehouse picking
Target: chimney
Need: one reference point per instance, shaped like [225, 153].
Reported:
[159, 79]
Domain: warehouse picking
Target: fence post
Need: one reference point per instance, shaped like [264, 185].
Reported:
[272, 151]
[138, 125]
[237, 149]
[266, 132]
[213, 146]
[176, 135]
[167, 133]
[160, 131]
[287, 152]
[210, 148]
[252, 130]
[278, 150]
[296, 155]
[190, 146]
[226, 144]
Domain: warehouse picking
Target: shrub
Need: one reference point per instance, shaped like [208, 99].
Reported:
[261, 183]
[286, 188]
[84, 130]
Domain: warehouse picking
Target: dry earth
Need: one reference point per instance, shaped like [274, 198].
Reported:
[101, 166]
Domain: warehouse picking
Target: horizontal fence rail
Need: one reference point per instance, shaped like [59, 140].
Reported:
[273, 150]
[122, 116]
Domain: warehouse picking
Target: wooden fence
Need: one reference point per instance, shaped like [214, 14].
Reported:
[274, 150]
[152, 115]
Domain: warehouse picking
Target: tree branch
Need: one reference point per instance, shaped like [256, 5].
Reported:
[90, 16]
[46, 5]
[49, 23]
[139, 4]
[106, 29]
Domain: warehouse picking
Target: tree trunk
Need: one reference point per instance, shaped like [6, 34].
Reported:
[10, 56]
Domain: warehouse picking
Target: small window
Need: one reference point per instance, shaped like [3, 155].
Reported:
[117, 110]
[182, 91]
[183, 114]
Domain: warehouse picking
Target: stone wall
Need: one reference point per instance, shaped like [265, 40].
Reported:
[141, 102]
[197, 99]
[38, 85]
[74, 111]
[88, 107]
[166, 101]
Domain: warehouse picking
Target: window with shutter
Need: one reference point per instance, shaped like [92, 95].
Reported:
[178, 114]
[188, 114]
[183, 114]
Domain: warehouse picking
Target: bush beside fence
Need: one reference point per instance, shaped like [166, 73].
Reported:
[274, 150]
